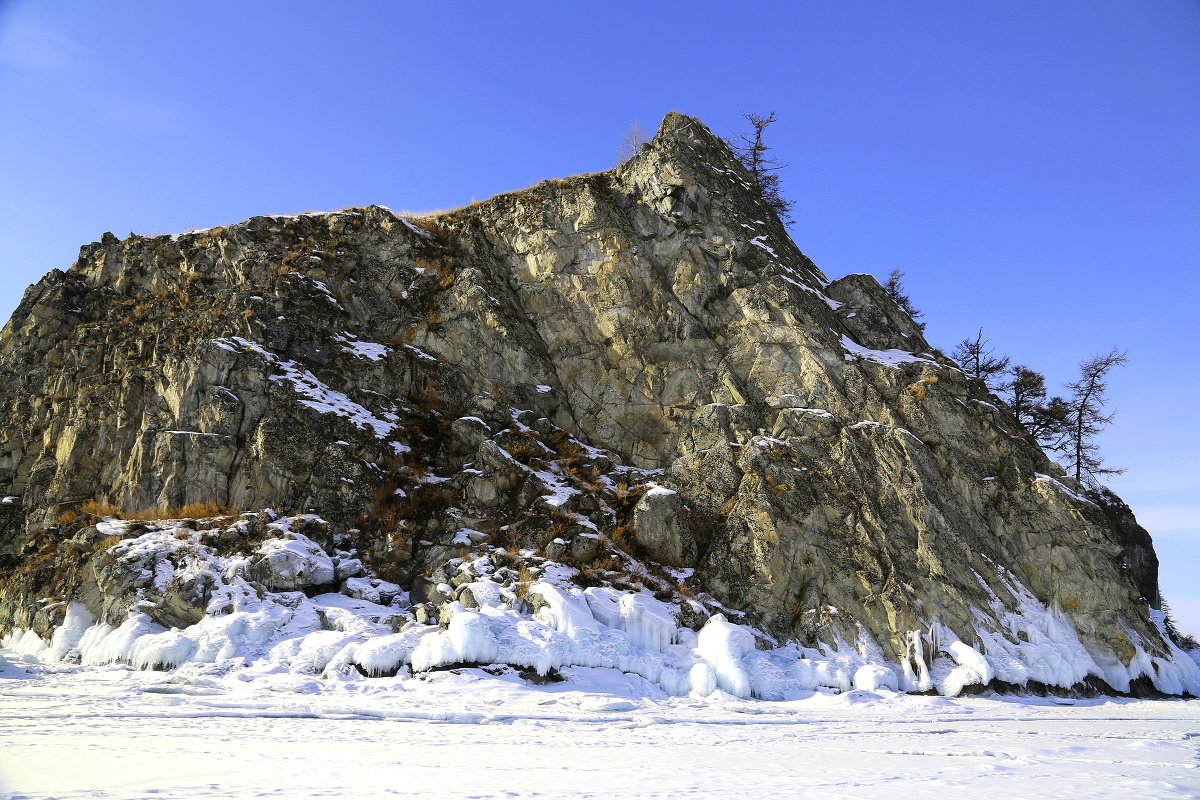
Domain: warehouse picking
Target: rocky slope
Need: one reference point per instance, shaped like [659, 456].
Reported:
[632, 381]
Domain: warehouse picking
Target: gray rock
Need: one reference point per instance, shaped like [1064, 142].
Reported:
[347, 568]
[556, 549]
[293, 562]
[463, 595]
[371, 589]
[584, 548]
[660, 529]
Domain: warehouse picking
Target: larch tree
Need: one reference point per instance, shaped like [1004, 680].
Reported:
[980, 361]
[1087, 417]
[895, 290]
[1044, 420]
[752, 151]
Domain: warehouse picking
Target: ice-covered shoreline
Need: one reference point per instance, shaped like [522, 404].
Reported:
[544, 625]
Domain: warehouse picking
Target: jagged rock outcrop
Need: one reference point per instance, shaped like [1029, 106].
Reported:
[635, 362]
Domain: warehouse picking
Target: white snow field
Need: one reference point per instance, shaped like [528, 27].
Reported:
[115, 732]
[276, 693]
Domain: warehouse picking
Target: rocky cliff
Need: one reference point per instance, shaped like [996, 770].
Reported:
[620, 385]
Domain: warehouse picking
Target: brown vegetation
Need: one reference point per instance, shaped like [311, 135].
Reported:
[197, 510]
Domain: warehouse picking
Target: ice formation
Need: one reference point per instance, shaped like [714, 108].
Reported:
[555, 624]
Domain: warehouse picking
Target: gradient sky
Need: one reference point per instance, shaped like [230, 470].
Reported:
[1034, 167]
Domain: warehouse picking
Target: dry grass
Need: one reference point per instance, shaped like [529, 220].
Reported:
[594, 573]
[107, 542]
[918, 389]
[432, 225]
[45, 558]
[412, 216]
[100, 508]
[524, 579]
[205, 510]
[622, 536]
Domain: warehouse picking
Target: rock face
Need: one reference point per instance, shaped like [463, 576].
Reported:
[636, 362]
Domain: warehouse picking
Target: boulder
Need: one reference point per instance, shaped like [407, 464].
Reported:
[290, 563]
[660, 529]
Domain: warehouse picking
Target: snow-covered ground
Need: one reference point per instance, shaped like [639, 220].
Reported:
[108, 732]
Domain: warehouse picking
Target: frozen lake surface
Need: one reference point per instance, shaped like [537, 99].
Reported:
[67, 732]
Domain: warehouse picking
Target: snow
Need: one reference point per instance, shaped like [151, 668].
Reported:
[114, 733]
[297, 557]
[261, 678]
[420, 354]
[723, 645]
[761, 241]
[889, 358]
[10, 500]
[360, 654]
[68, 635]
[315, 394]
[369, 351]
[1060, 486]
[560, 492]
[872, 678]
[418, 230]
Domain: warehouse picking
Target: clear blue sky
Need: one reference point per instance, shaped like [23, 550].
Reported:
[1034, 167]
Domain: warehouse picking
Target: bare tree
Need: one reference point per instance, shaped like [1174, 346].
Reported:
[752, 152]
[631, 143]
[1087, 417]
[979, 361]
[895, 290]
